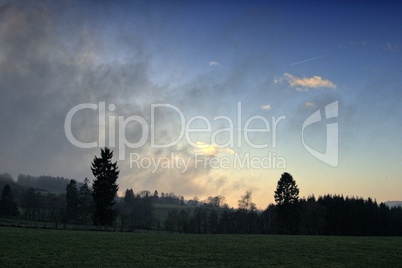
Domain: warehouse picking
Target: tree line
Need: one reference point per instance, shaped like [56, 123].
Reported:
[98, 205]
[325, 215]
[53, 184]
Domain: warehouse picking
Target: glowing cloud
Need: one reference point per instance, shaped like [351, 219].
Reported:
[211, 149]
[309, 104]
[266, 107]
[306, 82]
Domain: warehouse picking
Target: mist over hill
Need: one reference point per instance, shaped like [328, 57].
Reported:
[43, 183]
[392, 204]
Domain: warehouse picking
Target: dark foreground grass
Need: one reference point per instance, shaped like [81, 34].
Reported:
[60, 248]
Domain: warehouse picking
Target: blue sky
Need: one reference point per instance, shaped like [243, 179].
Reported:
[277, 58]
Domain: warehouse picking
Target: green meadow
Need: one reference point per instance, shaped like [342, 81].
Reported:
[27, 247]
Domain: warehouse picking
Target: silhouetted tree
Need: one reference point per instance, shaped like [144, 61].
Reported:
[287, 200]
[198, 222]
[216, 201]
[156, 196]
[104, 188]
[312, 218]
[85, 203]
[143, 211]
[30, 204]
[287, 191]
[137, 210]
[167, 198]
[55, 205]
[227, 224]
[213, 222]
[270, 220]
[8, 208]
[171, 222]
[129, 196]
[177, 221]
[246, 202]
[128, 212]
[183, 221]
[72, 202]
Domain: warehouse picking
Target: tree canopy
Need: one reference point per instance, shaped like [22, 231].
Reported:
[287, 191]
[246, 202]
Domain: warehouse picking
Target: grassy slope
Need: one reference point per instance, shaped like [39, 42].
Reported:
[38, 247]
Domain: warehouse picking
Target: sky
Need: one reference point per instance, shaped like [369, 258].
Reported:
[206, 98]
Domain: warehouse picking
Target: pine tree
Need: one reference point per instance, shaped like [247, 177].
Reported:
[85, 203]
[287, 203]
[128, 211]
[72, 201]
[287, 191]
[104, 188]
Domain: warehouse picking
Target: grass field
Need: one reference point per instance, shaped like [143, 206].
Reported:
[21, 247]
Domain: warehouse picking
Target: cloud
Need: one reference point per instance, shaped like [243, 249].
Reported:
[306, 82]
[43, 77]
[207, 149]
[309, 104]
[266, 107]
[47, 70]
[211, 149]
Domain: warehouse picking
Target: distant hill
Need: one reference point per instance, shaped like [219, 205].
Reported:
[393, 203]
[17, 189]
[41, 183]
[47, 183]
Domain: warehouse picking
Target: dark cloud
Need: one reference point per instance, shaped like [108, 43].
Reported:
[43, 78]
[50, 63]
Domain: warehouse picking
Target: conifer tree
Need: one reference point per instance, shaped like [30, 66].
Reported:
[287, 200]
[72, 201]
[104, 188]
